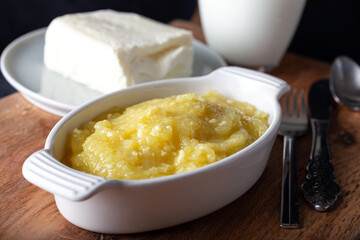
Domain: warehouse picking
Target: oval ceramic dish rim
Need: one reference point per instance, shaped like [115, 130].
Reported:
[234, 157]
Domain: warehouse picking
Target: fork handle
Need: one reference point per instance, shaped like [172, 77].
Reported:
[289, 217]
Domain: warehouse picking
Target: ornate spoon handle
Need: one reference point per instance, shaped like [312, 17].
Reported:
[320, 189]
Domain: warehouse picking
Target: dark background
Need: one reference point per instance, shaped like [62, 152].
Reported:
[328, 28]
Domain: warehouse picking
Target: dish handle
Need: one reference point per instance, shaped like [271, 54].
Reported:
[273, 84]
[44, 171]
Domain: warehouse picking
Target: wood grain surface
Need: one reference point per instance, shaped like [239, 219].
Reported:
[28, 212]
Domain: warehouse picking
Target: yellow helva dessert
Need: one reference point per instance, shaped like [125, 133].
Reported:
[164, 136]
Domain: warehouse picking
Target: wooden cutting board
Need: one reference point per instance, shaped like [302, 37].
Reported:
[28, 212]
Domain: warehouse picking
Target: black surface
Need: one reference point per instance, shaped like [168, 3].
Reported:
[328, 28]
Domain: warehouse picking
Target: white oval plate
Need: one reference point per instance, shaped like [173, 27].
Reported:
[22, 66]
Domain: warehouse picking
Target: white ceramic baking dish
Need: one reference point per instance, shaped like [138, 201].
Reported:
[129, 206]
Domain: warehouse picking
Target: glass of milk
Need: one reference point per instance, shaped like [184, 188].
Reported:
[250, 33]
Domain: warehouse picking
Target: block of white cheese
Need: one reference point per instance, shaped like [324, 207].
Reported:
[108, 50]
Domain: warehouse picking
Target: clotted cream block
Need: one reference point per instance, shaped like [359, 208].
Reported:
[108, 50]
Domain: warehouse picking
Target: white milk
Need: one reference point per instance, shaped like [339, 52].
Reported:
[253, 33]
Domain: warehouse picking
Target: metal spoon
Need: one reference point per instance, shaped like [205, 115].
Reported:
[345, 82]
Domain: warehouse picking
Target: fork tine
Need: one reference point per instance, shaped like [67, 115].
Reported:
[295, 105]
[303, 112]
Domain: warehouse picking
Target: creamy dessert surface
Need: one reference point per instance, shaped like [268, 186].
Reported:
[108, 50]
[164, 136]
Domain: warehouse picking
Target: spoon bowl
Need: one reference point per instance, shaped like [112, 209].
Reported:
[345, 82]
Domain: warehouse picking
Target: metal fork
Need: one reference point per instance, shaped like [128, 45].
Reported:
[292, 125]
